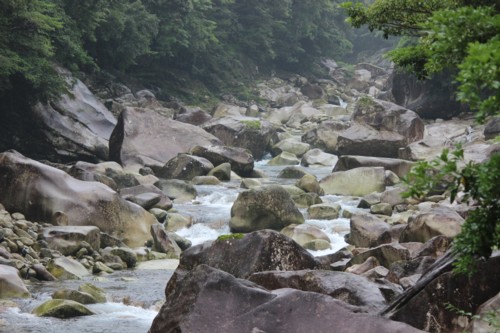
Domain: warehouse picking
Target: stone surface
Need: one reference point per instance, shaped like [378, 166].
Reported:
[165, 203]
[222, 172]
[244, 132]
[46, 194]
[309, 184]
[270, 250]
[318, 157]
[350, 288]
[145, 138]
[304, 233]
[368, 231]
[241, 160]
[324, 211]
[385, 254]
[213, 301]
[61, 308]
[162, 242]
[67, 269]
[267, 207]
[290, 145]
[185, 167]
[438, 221]
[398, 166]
[424, 305]
[193, 116]
[177, 190]
[97, 293]
[68, 239]
[11, 285]
[284, 158]
[74, 295]
[357, 182]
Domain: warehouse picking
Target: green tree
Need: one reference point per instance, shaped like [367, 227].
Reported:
[446, 35]
[26, 48]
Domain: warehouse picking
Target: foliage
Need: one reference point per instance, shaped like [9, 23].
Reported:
[480, 233]
[252, 124]
[492, 317]
[456, 35]
[26, 49]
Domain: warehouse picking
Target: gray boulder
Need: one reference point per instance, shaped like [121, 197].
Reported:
[368, 231]
[398, 166]
[357, 182]
[267, 207]
[145, 138]
[185, 167]
[46, 194]
[210, 300]
[250, 133]
[436, 222]
[350, 288]
[241, 160]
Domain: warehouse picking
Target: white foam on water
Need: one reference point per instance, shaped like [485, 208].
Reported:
[335, 230]
[200, 233]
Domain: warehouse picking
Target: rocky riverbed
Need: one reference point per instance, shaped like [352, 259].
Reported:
[286, 216]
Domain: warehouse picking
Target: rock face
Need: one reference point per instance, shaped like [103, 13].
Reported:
[210, 300]
[43, 193]
[350, 288]
[424, 305]
[358, 182]
[145, 138]
[253, 134]
[11, 285]
[268, 207]
[431, 99]
[75, 127]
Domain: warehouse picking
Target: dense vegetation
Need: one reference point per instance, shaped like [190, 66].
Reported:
[214, 41]
[463, 37]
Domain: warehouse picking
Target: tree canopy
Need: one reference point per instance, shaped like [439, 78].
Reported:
[461, 36]
[151, 37]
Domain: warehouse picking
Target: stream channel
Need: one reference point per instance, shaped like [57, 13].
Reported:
[135, 296]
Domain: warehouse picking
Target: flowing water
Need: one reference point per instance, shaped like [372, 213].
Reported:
[134, 296]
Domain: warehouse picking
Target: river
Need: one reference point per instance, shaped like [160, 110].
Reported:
[134, 296]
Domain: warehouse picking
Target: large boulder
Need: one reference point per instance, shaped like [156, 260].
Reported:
[193, 116]
[304, 233]
[364, 140]
[69, 239]
[350, 288]
[387, 116]
[270, 250]
[11, 285]
[316, 157]
[290, 145]
[244, 132]
[357, 182]
[241, 160]
[46, 194]
[62, 308]
[398, 166]
[267, 207]
[438, 221]
[325, 135]
[386, 255]
[145, 138]
[368, 231]
[210, 300]
[77, 126]
[432, 98]
[185, 167]
[67, 269]
[426, 304]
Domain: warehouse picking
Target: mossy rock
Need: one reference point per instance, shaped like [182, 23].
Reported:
[61, 308]
[74, 295]
[96, 292]
[230, 236]
[252, 124]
